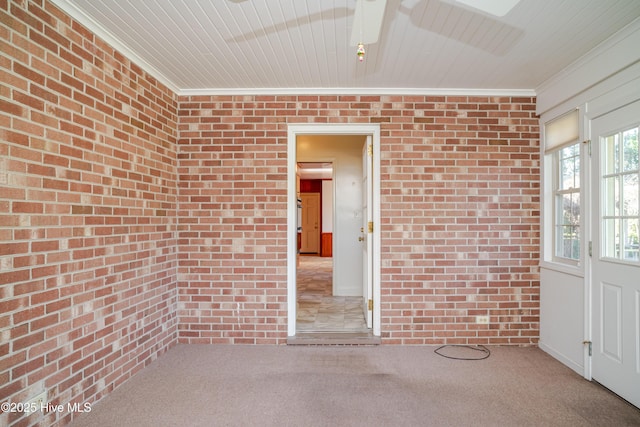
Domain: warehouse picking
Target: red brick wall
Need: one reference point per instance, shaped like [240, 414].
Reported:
[459, 211]
[117, 238]
[87, 213]
[233, 220]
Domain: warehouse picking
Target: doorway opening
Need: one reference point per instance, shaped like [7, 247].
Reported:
[333, 257]
[319, 307]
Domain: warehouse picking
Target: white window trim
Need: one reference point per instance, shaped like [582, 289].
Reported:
[548, 166]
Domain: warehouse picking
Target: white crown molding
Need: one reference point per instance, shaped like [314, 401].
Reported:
[70, 9]
[608, 58]
[360, 91]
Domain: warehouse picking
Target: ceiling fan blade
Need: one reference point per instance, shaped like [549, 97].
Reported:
[492, 7]
[367, 21]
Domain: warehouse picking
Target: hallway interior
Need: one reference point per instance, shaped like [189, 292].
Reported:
[317, 309]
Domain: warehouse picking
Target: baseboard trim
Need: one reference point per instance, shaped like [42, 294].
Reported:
[561, 358]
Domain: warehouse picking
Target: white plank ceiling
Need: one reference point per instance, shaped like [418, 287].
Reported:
[233, 46]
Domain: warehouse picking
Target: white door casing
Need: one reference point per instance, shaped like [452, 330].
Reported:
[366, 232]
[615, 290]
[372, 130]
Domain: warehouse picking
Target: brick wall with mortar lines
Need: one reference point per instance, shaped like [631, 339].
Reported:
[459, 212]
[87, 213]
[88, 226]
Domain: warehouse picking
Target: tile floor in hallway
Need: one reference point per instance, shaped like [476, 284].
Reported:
[317, 309]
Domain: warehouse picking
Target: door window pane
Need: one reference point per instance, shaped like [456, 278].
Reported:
[630, 195]
[611, 246]
[611, 199]
[630, 241]
[630, 150]
[621, 195]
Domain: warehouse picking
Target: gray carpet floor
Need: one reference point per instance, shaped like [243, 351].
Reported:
[206, 385]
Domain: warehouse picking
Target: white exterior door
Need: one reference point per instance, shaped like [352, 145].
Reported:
[366, 232]
[615, 253]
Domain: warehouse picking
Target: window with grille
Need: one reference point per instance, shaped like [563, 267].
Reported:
[567, 202]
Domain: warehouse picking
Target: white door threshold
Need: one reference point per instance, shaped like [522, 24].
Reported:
[333, 338]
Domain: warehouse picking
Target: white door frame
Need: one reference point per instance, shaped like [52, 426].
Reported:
[367, 243]
[329, 129]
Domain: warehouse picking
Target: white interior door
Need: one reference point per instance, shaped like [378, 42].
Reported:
[616, 257]
[367, 232]
[310, 237]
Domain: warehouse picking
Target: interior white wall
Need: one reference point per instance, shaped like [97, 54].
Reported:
[605, 79]
[561, 317]
[345, 152]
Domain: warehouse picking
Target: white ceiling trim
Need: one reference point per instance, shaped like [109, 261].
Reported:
[75, 13]
[360, 91]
